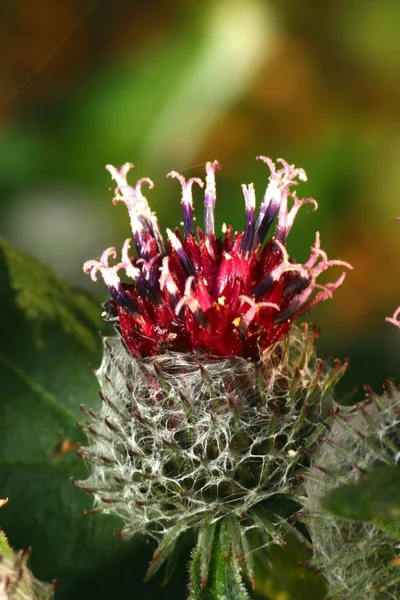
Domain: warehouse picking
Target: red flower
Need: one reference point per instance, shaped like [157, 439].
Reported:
[234, 295]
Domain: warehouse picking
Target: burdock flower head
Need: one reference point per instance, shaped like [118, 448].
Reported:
[213, 397]
[230, 296]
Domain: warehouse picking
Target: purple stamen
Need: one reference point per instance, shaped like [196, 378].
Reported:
[187, 199]
[210, 197]
[150, 268]
[185, 261]
[269, 206]
[297, 285]
[279, 194]
[286, 218]
[294, 305]
[284, 267]
[146, 289]
[131, 271]
[123, 300]
[142, 219]
[327, 292]
[190, 300]
[314, 269]
[251, 313]
[250, 200]
[299, 305]
[167, 281]
[110, 275]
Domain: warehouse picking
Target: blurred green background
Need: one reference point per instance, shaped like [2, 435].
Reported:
[169, 85]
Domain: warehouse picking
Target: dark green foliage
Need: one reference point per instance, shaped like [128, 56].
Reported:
[375, 496]
[49, 335]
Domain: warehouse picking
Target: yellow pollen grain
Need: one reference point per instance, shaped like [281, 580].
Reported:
[236, 322]
[221, 300]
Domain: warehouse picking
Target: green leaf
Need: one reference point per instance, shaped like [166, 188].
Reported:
[49, 336]
[375, 496]
[167, 547]
[200, 563]
[226, 579]
[5, 549]
[282, 563]
[219, 578]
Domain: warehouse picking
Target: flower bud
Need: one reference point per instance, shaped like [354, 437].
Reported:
[359, 558]
[181, 436]
[17, 581]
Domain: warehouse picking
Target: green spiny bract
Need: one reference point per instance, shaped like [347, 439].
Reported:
[17, 581]
[359, 558]
[183, 441]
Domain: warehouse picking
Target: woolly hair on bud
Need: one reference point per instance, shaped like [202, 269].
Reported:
[358, 559]
[17, 581]
[181, 437]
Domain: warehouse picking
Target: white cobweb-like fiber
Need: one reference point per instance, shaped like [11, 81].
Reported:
[17, 581]
[180, 436]
[358, 559]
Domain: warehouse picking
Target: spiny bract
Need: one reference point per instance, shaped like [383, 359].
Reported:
[359, 559]
[17, 581]
[182, 437]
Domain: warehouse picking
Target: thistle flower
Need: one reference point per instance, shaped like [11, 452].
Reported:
[360, 559]
[234, 296]
[212, 397]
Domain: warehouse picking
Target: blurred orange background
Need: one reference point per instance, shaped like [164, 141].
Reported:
[169, 85]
